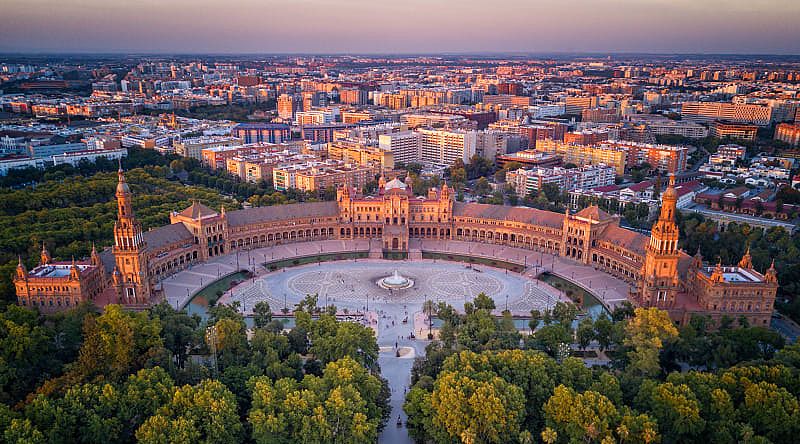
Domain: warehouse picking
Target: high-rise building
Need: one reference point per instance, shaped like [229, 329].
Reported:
[405, 146]
[585, 154]
[576, 105]
[445, 147]
[288, 105]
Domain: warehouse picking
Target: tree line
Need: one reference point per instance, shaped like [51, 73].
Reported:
[483, 382]
[164, 376]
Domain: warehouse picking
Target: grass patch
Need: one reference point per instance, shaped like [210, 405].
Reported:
[209, 294]
[286, 263]
[395, 255]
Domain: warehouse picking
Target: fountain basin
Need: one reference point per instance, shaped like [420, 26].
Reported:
[395, 281]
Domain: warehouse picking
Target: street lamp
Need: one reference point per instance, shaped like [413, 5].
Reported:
[211, 333]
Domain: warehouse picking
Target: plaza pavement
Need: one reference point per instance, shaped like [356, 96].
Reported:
[611, 291]
[386, 314]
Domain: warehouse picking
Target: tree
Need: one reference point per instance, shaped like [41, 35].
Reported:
[483, 302]
[565, 313]
[646, 333]
[674, 407]
[25, 353]
[346, 404]
[115, 343]
[772, 411]
[487, 411]
[587, 416]
[262, 314]
[429, 307]
[550, 338]
[603, 330]
[482, 186]
[332, 340]
[585, 332]
[178, 330]
[228, 339]
[205, 413]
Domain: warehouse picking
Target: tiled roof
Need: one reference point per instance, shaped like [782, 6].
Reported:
[168, 234]
[198, 211]
[504, 212]
[627, 239]
[283, 212]
[593, 213]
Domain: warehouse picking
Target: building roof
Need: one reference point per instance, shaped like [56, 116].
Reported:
[283, 212]
[594, 212]
[628, 239]
[505, 212]
[198, 211]
[394, 183]
[168, 234]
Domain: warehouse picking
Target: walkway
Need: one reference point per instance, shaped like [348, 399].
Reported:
[610, 290]
[180, 287]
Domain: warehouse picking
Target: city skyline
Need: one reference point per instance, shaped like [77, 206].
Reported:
[415, 27]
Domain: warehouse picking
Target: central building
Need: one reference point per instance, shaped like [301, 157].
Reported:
[658, 272]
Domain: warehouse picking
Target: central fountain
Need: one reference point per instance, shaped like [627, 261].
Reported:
[396, 281]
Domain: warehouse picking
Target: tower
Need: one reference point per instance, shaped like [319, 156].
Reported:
[747, 260]
[659, 284]
[133, 285]
[45, 257]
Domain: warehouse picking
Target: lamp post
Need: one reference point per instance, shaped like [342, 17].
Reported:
[211, 333]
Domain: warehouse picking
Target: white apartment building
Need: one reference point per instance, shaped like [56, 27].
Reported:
[444, 147]
[405, 146]
[91, 156]
[546, 110]
[583, 178]
[437, 147]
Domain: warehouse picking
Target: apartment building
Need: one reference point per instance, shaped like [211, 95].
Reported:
[789, 133]
[444, 147]
[360, 154]
[405, 147]
[194, 147]
[257, 167]
[736, 113]
[585, 154]
[318, 176]
[665, 158]
[567, 179]
[723, 130]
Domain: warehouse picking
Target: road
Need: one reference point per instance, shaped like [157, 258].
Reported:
[397, 371]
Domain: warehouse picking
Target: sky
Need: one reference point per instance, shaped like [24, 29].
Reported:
[400, 26]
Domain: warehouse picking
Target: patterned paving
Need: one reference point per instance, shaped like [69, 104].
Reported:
[350, 284]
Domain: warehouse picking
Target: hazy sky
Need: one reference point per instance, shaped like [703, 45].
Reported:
[382, 26]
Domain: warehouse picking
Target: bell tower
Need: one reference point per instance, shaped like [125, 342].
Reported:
[133, 285]
[659, 284]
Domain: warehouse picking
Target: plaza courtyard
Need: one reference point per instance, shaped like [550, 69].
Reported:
[351, 284]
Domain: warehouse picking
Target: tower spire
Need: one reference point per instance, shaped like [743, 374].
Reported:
[45, 257]
[659, 284]
[747, 260]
